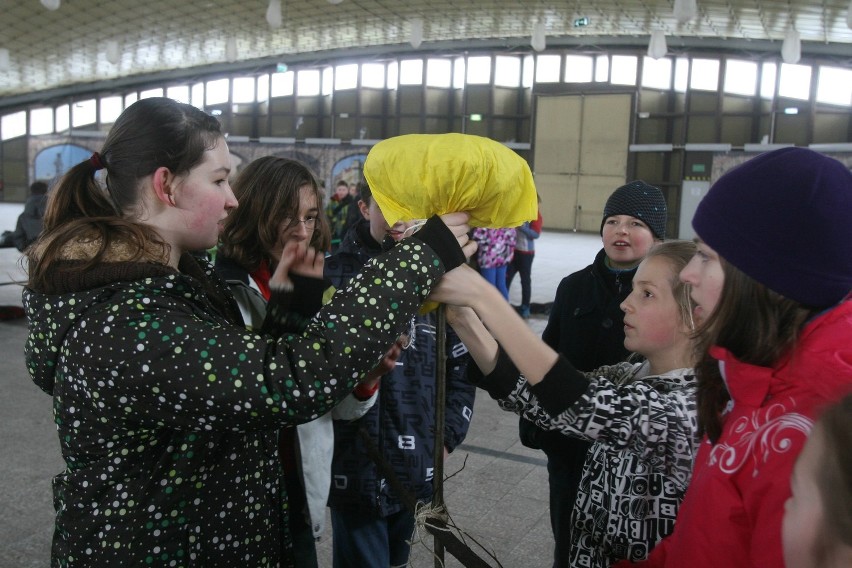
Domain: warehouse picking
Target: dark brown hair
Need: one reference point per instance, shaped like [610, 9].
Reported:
[268, 191]
[151, 133]
[758, 326]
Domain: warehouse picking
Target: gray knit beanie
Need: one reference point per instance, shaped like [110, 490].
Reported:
[640, 200]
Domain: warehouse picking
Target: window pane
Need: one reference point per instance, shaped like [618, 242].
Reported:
[217, 92]
[439, 73]
[740, 77]
[795, 81]
[507, 71]
[834, 86]
[327, 80]
[373, 75]
[179, 93]
[198, 95]
[602, 68]
[478, 70]
[529, 71]
[547, 68]
[84, 113]
[242, 90]
[263, 88]
[13, 125]
[459, 68]
[129, 99]
[111, 107]
[767, 80]
[282, 84]
[656, 73]
[411, 72]
[624, 69]
[41, 121]
[346, 77]
[308, 83]
[578, 69]
[63, 117]
[393, 75]
[150, 93]
[681, 74]
[705, 75]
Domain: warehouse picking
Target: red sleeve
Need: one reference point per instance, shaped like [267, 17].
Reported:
[536, 225]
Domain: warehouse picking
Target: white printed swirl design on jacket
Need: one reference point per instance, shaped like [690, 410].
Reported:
[774, 436]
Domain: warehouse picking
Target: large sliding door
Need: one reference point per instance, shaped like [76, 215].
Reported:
[580, 156]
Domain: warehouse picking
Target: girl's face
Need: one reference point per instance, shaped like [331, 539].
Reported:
[705, 275]
[803, 511]
[626, 240]
[652, 320]
[301, 228]
[204, 199]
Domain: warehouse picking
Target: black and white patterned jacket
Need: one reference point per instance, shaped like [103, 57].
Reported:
[643, 430]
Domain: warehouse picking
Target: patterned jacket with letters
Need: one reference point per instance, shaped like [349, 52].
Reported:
[643, 433]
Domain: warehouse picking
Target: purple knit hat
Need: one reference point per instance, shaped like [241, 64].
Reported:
[784, 218]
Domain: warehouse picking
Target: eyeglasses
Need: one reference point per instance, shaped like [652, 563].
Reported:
[309, 222]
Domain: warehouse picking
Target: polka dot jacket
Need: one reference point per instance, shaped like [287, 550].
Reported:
[166, 407]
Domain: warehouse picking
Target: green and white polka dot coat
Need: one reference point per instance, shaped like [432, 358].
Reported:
[166, 410]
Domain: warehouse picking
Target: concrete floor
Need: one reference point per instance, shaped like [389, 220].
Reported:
[498, 494]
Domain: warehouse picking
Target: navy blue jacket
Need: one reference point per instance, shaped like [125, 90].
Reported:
[401, 423]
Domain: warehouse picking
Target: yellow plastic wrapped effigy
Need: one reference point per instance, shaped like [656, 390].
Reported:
[415, 176]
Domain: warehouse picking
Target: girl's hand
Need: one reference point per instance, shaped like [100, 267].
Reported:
[457, 223]
[385, 366]
[298, 259]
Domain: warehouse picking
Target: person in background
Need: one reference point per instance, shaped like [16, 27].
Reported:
[586, 326]
[337, 212]
[371, 525]
[29, 224]
[817, 527]
[494, 255]
[774, 351]
[522, 261]
[281, 202]
[167, 409]
[641, 417]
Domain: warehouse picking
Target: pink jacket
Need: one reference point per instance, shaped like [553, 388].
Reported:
[732, 512]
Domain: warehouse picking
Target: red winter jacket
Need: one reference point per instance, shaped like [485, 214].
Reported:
[732, 512]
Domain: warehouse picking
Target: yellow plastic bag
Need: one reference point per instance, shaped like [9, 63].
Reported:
[416, 176]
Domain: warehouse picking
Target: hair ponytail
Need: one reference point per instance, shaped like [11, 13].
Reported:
[78, 194]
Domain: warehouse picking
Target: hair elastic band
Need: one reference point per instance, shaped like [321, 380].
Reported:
[96, 161]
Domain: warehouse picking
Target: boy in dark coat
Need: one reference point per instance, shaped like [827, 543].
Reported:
[371, 525]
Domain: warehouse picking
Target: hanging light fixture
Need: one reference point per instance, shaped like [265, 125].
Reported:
[51, 4]
[273, 14]
[5, 62]
[231, 49]
[657, 47]
[415, 34]
[791, 49]
[113, 52]
[538, 41]
[684, 10]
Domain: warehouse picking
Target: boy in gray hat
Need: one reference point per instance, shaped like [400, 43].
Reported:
[586, 325]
